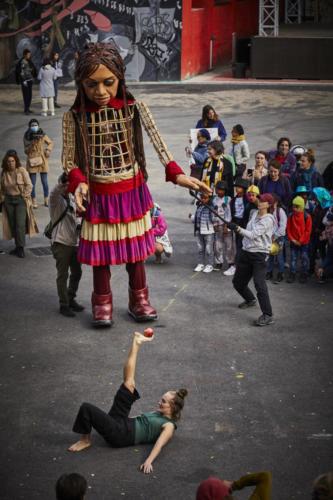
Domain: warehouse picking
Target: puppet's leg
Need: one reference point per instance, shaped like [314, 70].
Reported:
[102, 297]
[139, 306]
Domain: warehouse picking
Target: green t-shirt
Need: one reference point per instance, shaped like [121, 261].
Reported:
[148, 427]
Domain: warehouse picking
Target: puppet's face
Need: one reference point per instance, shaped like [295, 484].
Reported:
[101, 86]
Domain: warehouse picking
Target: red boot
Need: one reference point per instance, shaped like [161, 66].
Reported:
[102, 309]
[139, 306]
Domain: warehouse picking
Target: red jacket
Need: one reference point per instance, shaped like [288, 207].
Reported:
[299, 227]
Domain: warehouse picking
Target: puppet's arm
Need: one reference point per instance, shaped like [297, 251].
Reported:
[174, 173]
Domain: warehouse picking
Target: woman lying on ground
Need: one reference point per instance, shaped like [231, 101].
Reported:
[118, 429]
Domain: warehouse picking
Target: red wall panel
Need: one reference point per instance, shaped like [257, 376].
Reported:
[219, 22]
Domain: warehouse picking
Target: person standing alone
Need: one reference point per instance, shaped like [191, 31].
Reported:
[47, 77]
[25, 74]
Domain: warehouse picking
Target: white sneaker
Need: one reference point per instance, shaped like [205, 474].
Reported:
[43, 113]
[208, 269]
[199, 268]
[52, 114]
[230, 272]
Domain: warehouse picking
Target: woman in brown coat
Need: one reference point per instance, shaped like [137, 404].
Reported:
[38, 147]
[17, 214]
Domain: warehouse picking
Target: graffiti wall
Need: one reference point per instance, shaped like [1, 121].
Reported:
[147, 32]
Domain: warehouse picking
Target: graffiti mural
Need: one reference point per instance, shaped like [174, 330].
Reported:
[147, 32]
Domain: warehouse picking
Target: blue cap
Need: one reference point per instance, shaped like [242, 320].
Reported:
[302, 189]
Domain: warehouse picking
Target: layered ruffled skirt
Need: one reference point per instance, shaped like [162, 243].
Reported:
[117, 226]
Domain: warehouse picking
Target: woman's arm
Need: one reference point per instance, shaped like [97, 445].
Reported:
[27, 183]
[164, 438]
[49, 145]
[222, 131]
[261, 227]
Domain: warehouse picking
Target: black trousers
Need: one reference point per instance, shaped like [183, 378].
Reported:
[116, 428]
[253, 265]
[27, 94]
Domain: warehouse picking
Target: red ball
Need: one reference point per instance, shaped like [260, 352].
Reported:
[148, 332]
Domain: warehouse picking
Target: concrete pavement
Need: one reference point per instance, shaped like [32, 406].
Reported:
[259, 399]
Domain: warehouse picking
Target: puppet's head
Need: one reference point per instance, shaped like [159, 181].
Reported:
[99, 74]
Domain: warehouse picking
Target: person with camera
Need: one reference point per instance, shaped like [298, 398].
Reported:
[66, 225]
[252, 260]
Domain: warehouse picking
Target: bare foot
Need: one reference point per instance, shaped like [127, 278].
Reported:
[139, 338]
[80, 445]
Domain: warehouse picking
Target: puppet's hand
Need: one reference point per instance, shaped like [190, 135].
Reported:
[192, 183]
[81, 194]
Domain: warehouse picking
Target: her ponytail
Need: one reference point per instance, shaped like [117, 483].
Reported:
[310, 155]
[177, 403]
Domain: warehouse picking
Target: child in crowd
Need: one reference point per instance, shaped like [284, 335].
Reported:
[204, 231]
[47, 75]
[260, 168]
[252, 196]
[299, 227]
[325, 269]
[160, 228]
[279, 234]
[238, 209]
[217, 168]
[224, 250]
[239, 149]
[322, 201]
[200, 154]
[303, 192]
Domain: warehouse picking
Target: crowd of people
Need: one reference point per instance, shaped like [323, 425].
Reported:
[302, 207]
[247, 219]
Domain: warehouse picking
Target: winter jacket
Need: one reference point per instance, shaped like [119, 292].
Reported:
[281, 187]
[203, 221]
[25, 71]
[299, 226]
[47, 75]
[288, 164]
[200, 154]
[310, 178]
[214, 124]
[223, 173]
[159, 224]
[240, 152]
[257, 237]
[37, 149]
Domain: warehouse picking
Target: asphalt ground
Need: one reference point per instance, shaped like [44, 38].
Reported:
[259, 399]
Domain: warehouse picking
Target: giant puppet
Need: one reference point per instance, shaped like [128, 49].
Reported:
[102, 141]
